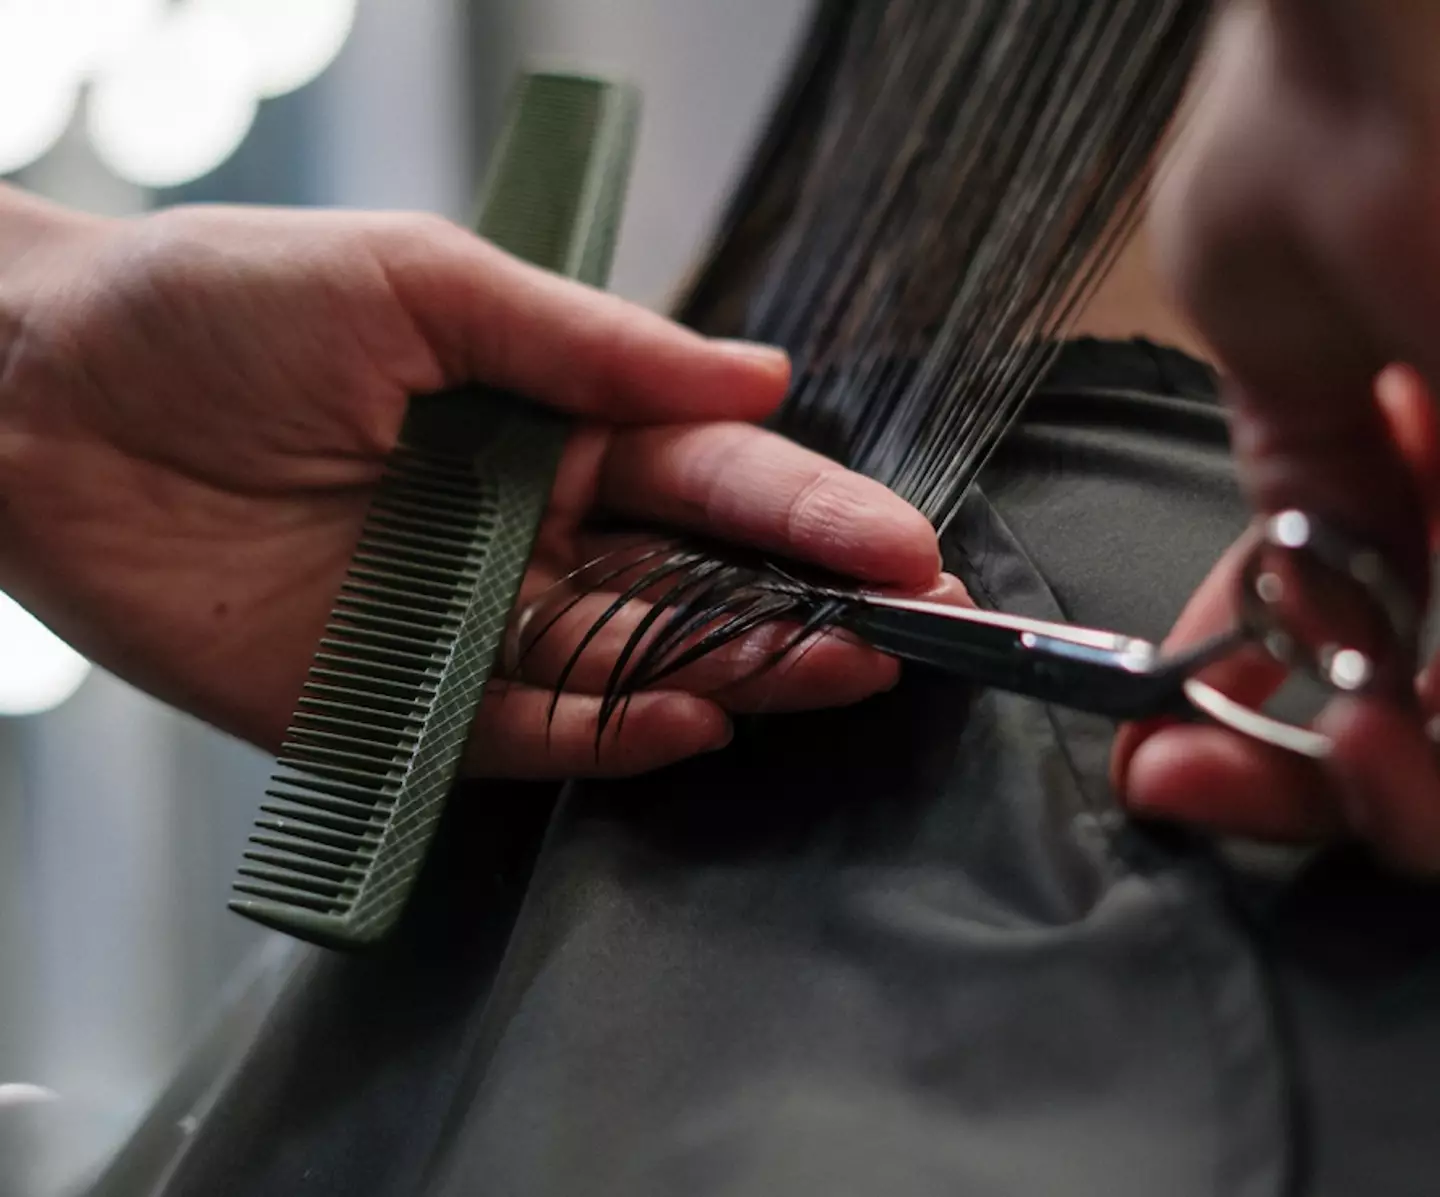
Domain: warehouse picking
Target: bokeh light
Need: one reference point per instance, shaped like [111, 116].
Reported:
[99, 30]
[38, 670]
[12, 1096]
[291, 42]
[174, 84]
[39, 84]
[177, 103]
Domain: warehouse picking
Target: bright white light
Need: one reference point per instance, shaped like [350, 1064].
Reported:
[101, 30]
[175, 83]
[176, 104]
[38, 81]
[291, 41]
[38, 670]
[13, 1096]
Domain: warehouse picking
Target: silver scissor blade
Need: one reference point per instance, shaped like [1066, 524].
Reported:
[1084, 668]
[1005, 625]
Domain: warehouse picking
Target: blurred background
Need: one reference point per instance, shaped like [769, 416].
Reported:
[121, 821]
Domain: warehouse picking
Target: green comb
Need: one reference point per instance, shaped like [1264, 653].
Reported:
[376, 740]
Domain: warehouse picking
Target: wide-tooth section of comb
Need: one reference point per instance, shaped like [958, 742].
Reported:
[378, 733]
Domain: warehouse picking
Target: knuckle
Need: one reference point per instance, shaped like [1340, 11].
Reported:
[418, 227]
[818, 509]
[412, 243]
[709, 454]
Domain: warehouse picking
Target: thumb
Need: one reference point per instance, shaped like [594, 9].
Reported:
[492, 318]
[1306, 428]
[1250, 254]
[1410, 411]
[1325, 446]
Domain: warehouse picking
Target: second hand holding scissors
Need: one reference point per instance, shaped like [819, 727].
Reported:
[1126, 678]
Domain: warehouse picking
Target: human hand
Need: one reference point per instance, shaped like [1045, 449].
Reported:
[1379, 784]
[195, 405]
[1296, 219]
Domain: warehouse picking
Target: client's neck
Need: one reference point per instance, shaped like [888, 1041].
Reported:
[1131, 303]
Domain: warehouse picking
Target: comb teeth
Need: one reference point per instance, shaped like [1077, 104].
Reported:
[379, 731]
[372, 684]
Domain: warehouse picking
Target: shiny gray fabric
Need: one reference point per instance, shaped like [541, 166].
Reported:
[907, 948]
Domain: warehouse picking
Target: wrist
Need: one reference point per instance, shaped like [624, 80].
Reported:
[32, 232]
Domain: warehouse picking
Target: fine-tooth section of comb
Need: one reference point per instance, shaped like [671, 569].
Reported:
[377, 735]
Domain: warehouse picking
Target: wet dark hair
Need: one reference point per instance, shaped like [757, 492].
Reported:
[942, 184]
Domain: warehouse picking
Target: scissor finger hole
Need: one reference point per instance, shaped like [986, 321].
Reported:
[1284, 716]
[1328, 607]
[1256, 724]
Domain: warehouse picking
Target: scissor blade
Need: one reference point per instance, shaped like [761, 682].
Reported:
[1083, 668]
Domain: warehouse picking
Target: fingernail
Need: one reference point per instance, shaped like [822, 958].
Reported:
[1127, 744]
[952, 587]
[726, 737]
[948, 589]
[766, 356]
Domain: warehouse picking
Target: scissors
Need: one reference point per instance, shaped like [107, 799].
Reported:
[1314, 599]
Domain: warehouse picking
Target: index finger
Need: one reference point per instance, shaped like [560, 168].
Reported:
[492, 318]
[744, 484]
[1250, 676]
[1200, 773]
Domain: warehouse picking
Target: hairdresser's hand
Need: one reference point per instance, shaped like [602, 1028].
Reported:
[195, 405]
[1299, 220]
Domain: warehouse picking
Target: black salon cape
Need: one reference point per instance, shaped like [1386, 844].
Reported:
[908, 948]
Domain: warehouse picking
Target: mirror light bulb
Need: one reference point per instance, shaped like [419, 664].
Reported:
[177, 103]
[38, 670]
[39, 81]
[291, 42]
